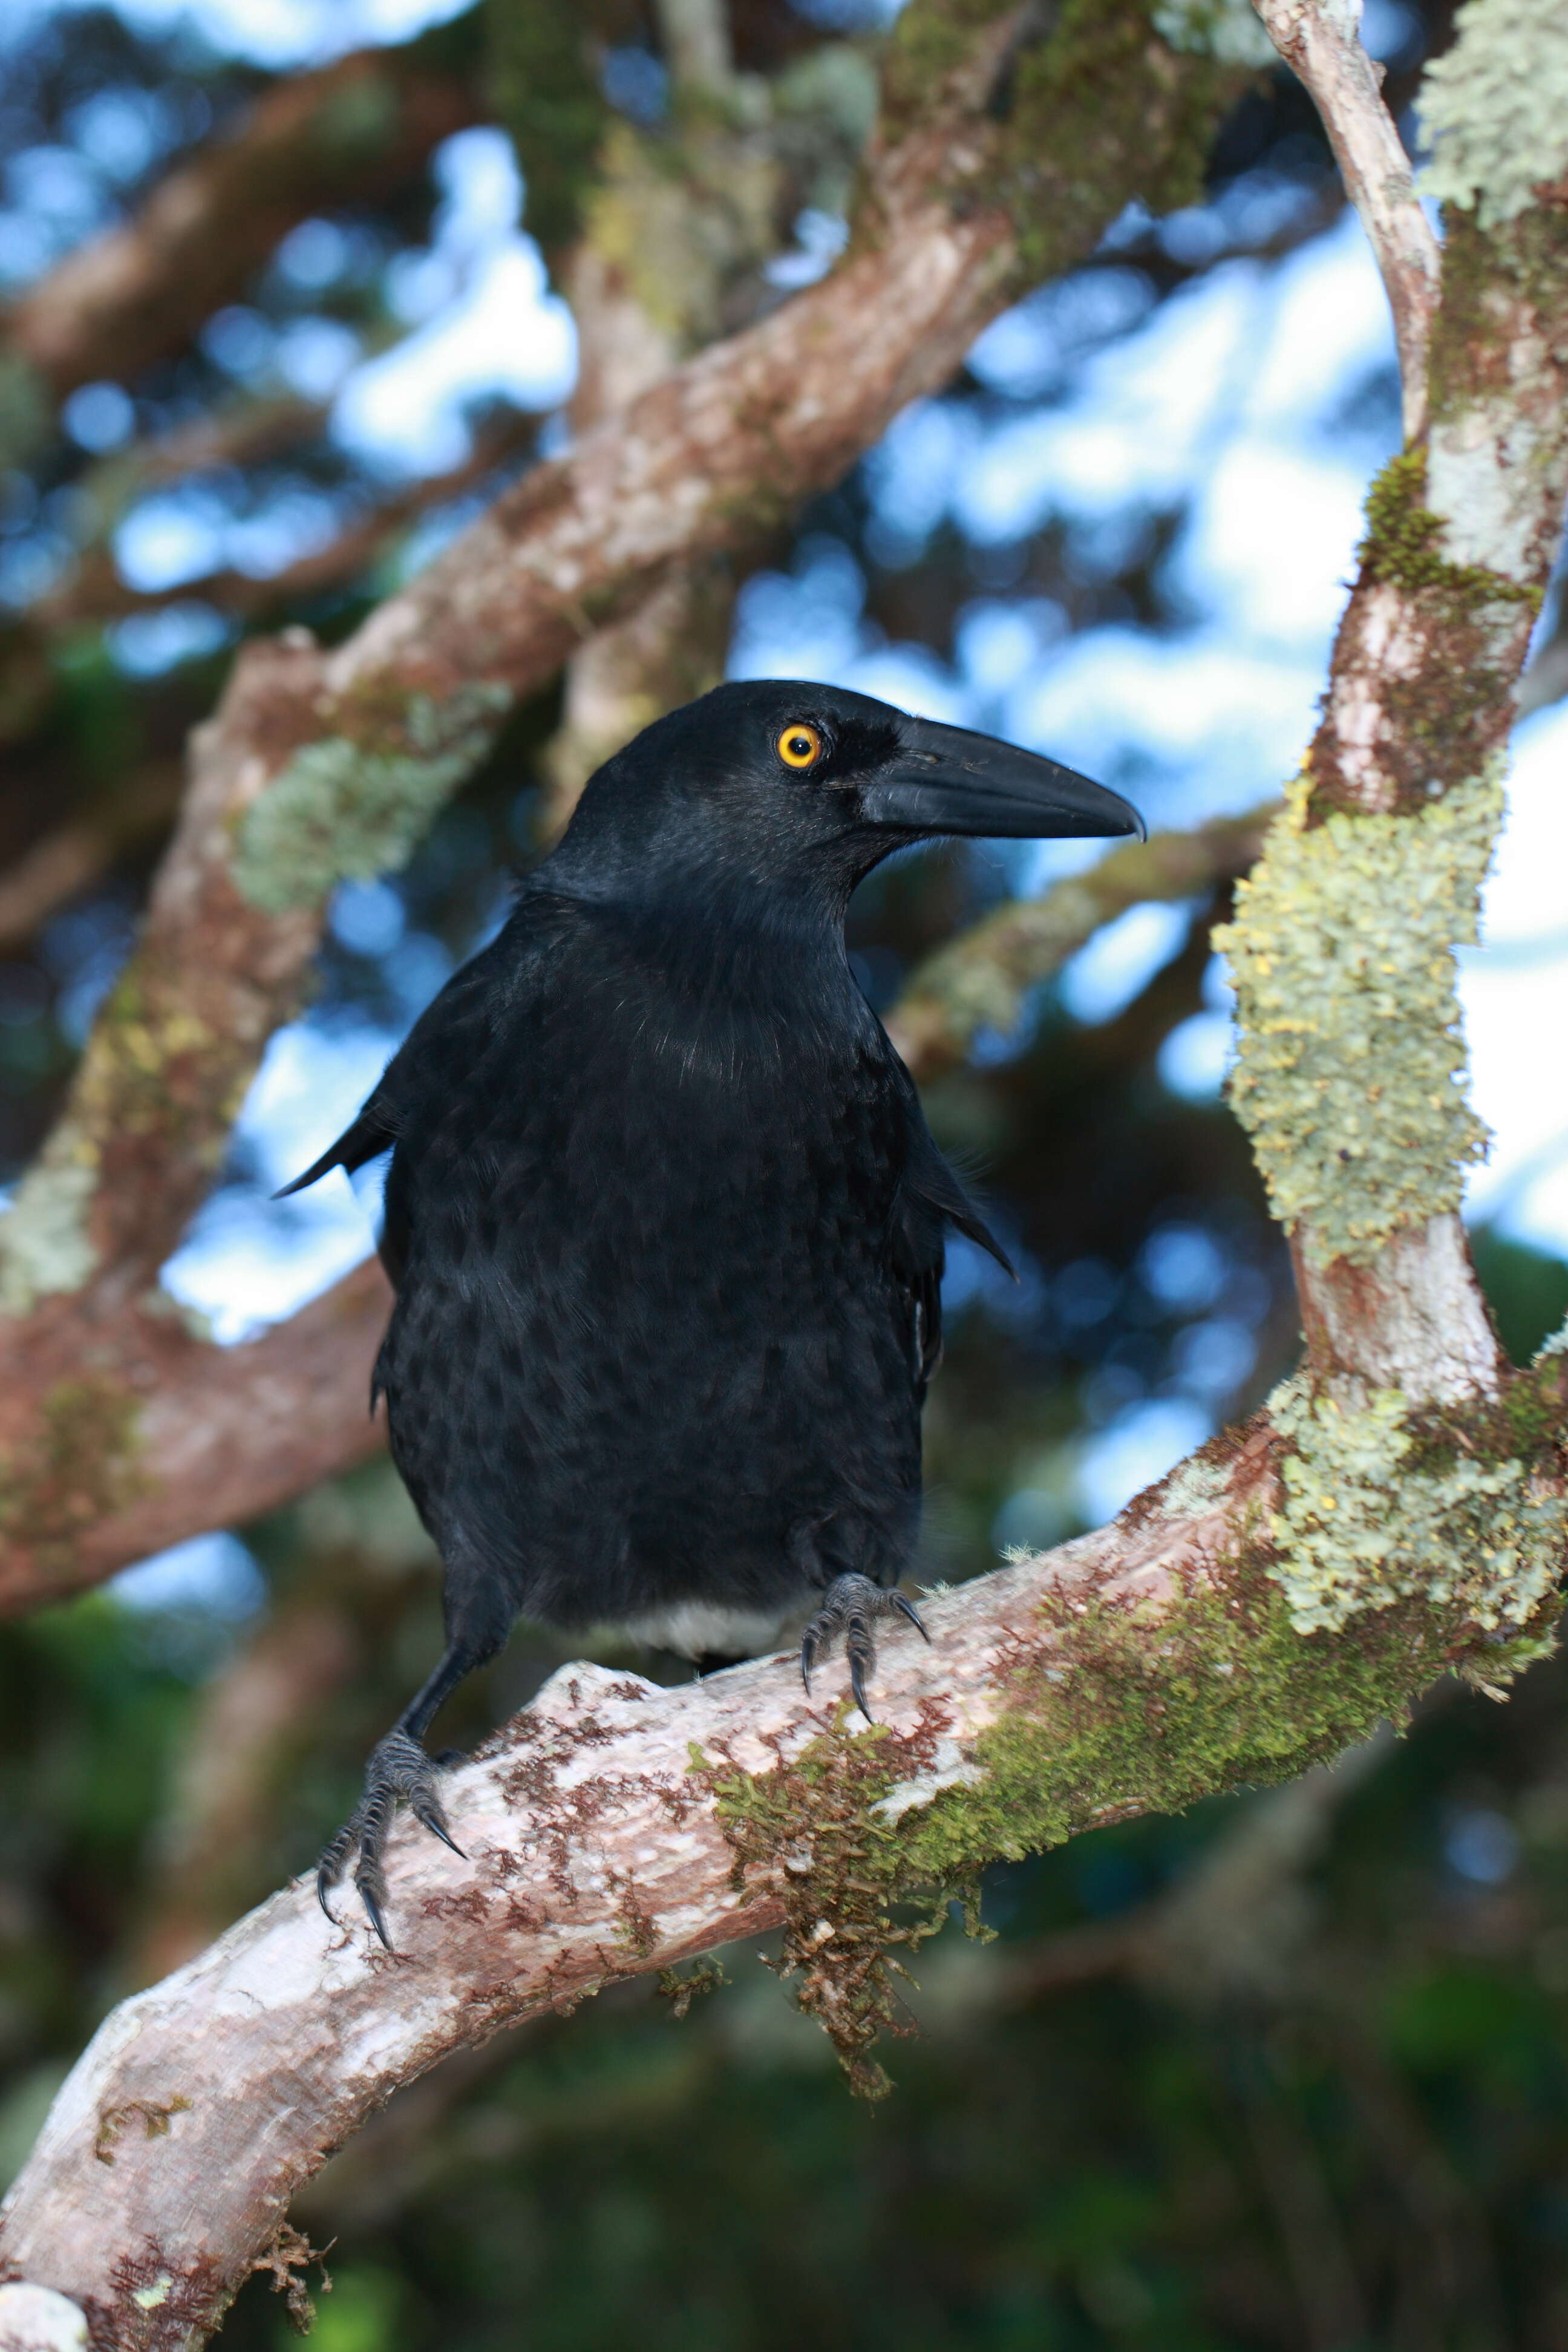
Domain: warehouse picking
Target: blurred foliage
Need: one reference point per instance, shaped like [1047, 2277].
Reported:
[1340, 2124]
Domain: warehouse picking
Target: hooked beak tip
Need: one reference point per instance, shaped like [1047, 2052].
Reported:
[951, 780]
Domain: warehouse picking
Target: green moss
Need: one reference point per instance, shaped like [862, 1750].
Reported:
[1350, 1061]
[1096, 110]
[1113, 1707]
[1374, 1513]
[1495, 108]
[545, 92]
[83, 1465]
[1132, 1709]
[810, 1828]
[348, 807]
[932, 40]
[1100, 114]
[681, 1987]
[1402, 543]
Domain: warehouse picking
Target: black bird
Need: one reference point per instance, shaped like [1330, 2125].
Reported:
[664, 1219]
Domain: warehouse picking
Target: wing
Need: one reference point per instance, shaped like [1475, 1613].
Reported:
[417, 1084]
[930, 1199]
[372, 1131]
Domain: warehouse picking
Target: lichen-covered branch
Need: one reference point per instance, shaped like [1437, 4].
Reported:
[613, 1828]
[1351, 1069]
[1321, 40]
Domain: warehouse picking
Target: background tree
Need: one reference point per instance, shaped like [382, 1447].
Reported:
[1302, 2128]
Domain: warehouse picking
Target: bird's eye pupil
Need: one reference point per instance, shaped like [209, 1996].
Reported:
[800, 746]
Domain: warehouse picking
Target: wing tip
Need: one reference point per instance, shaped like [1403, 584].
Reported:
[317, 1169]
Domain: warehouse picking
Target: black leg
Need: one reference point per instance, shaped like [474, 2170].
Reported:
[398, 1769]
[849, 1606]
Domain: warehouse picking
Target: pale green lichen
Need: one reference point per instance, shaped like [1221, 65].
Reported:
[45, 1246]
[1495, 108]
[1227, 30]
[1198, 1486]
[343, 810]
[1374, 1512]
[1351, 1064]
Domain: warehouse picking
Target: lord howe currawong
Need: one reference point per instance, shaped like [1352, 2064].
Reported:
[664, 1219]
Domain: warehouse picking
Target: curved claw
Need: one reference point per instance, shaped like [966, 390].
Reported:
[911, 1612]
[370, 1894]
[399, 1768]
[435, 1820]
[849, 1606]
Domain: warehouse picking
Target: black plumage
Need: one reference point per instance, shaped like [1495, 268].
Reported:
[664, 1218]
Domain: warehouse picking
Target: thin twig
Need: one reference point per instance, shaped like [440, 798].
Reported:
[1319, 40]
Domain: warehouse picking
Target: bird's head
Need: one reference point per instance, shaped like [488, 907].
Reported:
[779, 781]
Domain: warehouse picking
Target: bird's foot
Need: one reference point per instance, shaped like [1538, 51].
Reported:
[849, 1606]
[398, 1768]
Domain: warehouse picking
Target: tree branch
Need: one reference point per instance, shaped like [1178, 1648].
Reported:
[1320, 41]
[1366, 1164]
[95, 590]
[350, 130]
[150, 1433]
[983, 979]
[1132, 1669]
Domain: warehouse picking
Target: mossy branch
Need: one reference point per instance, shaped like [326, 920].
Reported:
[614, 1829]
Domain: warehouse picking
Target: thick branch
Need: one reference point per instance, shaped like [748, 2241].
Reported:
[1459, 542]
[1320, 41]
[127, 1433]
[597, 1853]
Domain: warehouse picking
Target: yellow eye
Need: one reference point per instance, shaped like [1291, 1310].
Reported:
[800, 746]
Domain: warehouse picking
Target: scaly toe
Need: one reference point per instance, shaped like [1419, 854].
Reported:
[398, 1770]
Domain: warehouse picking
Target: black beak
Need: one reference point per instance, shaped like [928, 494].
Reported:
[949, 780]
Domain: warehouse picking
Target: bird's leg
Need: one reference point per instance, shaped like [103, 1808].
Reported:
[849, 1606]
[398, 1769]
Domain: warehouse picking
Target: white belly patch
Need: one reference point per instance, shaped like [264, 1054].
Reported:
[696, 1629]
